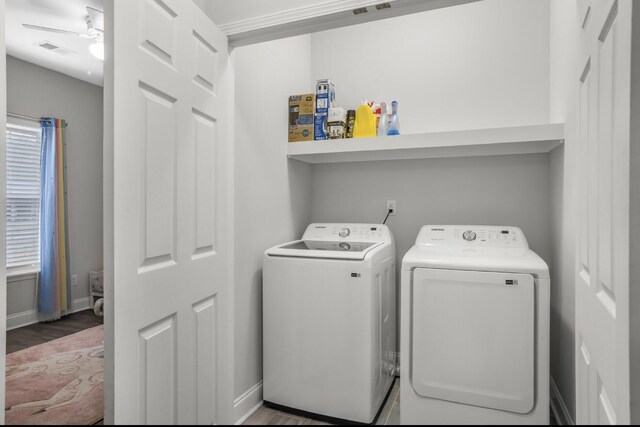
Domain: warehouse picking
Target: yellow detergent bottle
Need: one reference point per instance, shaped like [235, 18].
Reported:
[365, 126]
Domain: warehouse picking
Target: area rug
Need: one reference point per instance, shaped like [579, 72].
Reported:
[59, 382]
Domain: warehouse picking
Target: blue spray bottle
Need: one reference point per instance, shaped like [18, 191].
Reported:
[394, 124]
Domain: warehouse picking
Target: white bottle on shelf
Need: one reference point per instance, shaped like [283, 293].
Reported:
[383, 124]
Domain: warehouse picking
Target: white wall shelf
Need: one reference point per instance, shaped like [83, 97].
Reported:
[461, 143]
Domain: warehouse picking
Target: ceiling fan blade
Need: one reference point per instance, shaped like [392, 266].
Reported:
[97, 17]
[50, 30]
[93, 10]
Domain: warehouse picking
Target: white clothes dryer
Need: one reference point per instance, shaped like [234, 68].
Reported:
[474, 328]
[329, 321]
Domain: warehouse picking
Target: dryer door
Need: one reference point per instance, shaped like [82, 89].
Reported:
[473, 338]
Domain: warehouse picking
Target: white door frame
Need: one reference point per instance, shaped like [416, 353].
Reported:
[3, 271]
[107, 195]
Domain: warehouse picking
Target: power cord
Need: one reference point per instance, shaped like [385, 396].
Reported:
[387, 218]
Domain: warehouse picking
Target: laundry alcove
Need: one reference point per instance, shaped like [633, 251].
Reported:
[475, 70]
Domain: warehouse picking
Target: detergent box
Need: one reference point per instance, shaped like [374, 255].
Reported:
[337, 123]
[301, 113]
[325, 99]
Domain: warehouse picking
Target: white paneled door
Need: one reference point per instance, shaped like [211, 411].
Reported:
[602, 269]
[167, 79]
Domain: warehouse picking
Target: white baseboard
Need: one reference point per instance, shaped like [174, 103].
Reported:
[81, 304]
[21, 320]
[30, 317]
[245, 405]
[559, 408]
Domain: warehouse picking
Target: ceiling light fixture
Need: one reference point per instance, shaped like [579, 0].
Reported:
[97, 49]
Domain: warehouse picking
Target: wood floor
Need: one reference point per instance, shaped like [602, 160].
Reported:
[40, 333]
[390, 414]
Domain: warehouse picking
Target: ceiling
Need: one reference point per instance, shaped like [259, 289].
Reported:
[76, 60]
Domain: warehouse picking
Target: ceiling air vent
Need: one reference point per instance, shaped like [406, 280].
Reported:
[54, 48]
[48, 46]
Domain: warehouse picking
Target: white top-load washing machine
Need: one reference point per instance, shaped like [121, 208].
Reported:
[474, 328]
[329, 321]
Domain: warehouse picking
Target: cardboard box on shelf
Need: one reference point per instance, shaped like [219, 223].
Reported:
[337, 123]
[325, 99]
[301, 117]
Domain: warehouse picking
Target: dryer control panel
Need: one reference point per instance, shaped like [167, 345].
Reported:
[472, 236]
[348, 233]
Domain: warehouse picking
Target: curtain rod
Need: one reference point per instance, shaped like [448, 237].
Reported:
[20, 116]
[31, 119]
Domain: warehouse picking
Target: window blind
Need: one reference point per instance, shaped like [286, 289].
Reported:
[23, 194]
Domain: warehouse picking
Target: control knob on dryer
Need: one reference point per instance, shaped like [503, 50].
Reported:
[469, 236]
[345, 232]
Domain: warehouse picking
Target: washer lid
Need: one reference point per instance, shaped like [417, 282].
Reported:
[324, 249]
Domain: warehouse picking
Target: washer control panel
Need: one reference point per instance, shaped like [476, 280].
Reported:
[473, 236]
[348, 233]
[469, 236]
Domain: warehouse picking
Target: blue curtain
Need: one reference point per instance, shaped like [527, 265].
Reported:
[54, 290]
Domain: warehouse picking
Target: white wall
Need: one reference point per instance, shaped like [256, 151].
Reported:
[564, 57]
[565, 71]
[272, 194]
[483, 64]
[35, 91]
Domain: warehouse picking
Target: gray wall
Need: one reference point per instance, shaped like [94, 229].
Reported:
[36, 91]
[501, 190]
[272, 193]
[562, 271]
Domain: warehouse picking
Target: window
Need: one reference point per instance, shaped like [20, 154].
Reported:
[23, 194]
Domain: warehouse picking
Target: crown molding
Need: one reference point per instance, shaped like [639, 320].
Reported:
[296, 15]
[324, 16]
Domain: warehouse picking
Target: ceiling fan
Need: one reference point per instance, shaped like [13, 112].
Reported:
[95, 31]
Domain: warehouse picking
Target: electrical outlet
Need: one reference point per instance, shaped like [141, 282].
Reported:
[391, 206]
[74, 280]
